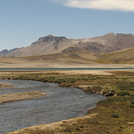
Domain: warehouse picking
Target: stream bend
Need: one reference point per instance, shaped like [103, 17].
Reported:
[59, 104]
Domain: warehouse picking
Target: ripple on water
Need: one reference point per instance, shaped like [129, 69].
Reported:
[59, 104]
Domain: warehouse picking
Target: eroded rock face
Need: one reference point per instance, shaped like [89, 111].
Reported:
[50, 38]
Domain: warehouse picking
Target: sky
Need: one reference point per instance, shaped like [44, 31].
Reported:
[24, 21]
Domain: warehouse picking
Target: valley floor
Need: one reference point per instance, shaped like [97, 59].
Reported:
[115, 115]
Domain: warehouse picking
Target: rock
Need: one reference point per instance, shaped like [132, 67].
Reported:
[109, 94]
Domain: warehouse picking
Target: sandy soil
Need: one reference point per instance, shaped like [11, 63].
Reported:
[60, 65]
[68, 72]
[20, 96]
[93, 72]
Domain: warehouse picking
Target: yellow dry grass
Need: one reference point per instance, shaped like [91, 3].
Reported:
[20, 96]
[5, 85]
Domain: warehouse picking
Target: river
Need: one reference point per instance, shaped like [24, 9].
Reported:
[59, 104]
[63, 69]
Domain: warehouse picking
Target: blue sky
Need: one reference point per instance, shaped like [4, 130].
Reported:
[24, 21]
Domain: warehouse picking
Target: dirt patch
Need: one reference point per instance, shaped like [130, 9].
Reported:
[93, 72]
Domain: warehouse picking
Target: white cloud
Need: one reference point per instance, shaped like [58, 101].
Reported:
[124, 5]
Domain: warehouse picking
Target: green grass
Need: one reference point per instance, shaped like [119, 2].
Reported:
[114, 115]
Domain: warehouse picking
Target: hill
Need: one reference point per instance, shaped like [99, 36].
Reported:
[122, 58]
[53, 45]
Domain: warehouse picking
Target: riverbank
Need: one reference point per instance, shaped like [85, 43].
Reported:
[115, 115]
[20, 96]
[5, 85]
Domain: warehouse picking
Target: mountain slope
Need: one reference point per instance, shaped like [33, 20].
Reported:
[52, 45]
[45, 45]
[119, 57]
[123, 58]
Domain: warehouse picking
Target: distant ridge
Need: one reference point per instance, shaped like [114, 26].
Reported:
[50, 44]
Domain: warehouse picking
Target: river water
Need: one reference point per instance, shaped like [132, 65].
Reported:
[59, 104]
[54, 69]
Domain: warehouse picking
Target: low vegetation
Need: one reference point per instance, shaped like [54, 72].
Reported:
[115, 115]
[4, 85]
[20, 96]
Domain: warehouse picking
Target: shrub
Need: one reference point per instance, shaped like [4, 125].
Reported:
[67, 130]
[132, 106]
[126, 85]
[115, 115]
[123, 93]
[132, 102]
[77, 129]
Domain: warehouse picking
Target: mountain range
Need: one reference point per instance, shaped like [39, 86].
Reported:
[51, 45]
[53, 51]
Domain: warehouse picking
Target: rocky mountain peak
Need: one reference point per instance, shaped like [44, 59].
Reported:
[50, 38]
[4, 52]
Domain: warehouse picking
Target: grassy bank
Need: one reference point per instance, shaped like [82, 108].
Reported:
[115, 115]
[20, 96]
[4, 85]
